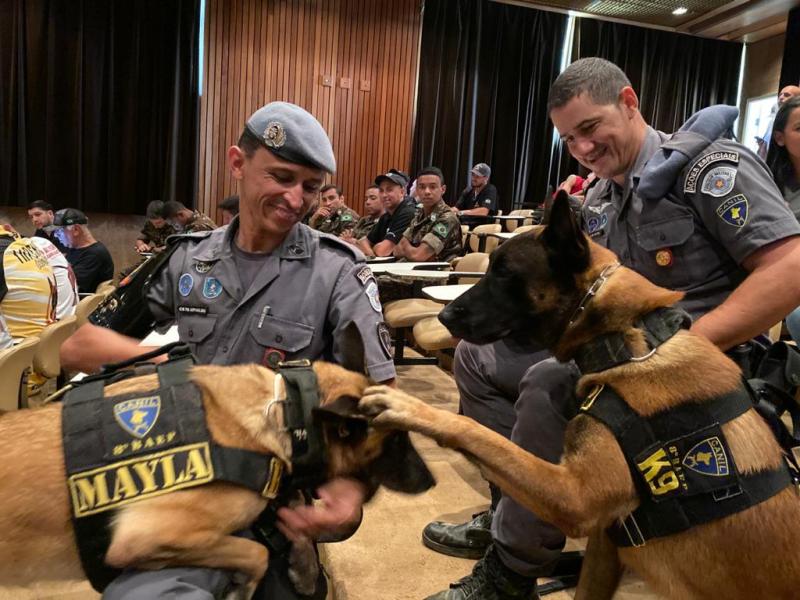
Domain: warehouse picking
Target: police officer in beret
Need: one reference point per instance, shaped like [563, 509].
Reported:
[434, 232]
[692, 211]
[263, 289]
[333, 216]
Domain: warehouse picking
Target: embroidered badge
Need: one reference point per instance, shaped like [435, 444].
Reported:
[372, 293]
[203, 267]
[598, 209]
[595, 224]
[346, 217]
[364, 275]
[137, 416]
[734, 211]
[441, 229]
[718, 182]
[386, 339]
[185, 284]
[211, 287]
[708, 458]
[664, 257]
[690, 186]
[274, 135]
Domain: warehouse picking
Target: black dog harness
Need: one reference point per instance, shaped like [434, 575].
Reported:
[131, 447]
[680, 461]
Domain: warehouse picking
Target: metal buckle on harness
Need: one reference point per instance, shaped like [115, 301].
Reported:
[592, 396]
[638, 541]
[726, 493]
[293, 364]
[270, 491]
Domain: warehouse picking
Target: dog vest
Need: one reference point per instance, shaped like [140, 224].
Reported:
[131, 447]
[679, 459]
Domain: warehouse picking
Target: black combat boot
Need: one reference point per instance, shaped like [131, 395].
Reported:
[467, 540]
[490, 580]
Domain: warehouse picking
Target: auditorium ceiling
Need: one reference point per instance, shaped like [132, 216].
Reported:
[737, 20]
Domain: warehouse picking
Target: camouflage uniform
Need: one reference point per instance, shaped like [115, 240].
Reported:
[441, 230]
[157, 238]
[364, 226]
[340, 219]
[199, 222]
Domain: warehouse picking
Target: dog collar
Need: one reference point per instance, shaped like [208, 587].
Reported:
[609, 350]
[309, 458]
[592, 292]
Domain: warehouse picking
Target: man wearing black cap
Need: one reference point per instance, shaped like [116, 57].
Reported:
[264, 289]
[400, 209]
[478, 201]
[90, 260]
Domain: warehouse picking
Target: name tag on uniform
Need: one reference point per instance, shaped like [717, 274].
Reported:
[193, 310]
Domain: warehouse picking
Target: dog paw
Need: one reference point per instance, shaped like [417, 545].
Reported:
[389, 406]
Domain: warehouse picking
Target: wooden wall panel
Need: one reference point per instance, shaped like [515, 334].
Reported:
[257, 51]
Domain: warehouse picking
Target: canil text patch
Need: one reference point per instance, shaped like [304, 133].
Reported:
[121, 483]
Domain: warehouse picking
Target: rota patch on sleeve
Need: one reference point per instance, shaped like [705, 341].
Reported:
[372, 293]
[364, 275]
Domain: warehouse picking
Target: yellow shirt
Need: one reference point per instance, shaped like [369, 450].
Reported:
[27, 279]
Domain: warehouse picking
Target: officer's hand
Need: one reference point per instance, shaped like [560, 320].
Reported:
[337, 511]
[347, 236]
[324, 212]
[141, 246]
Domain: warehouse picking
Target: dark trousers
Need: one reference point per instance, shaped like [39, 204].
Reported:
[522, 394]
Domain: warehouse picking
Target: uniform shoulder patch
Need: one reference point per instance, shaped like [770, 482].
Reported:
[734, 211]
[364, 274]
[690, 185]
[441, 229]
[718, 181]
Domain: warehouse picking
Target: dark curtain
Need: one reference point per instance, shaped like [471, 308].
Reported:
[485, 69]
[673, 74]
[98, 102]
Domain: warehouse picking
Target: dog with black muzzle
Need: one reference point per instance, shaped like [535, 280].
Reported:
[151, 528]
[706, 514]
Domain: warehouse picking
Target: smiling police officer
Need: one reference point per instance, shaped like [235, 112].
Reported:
[693, 211]
[265, 288]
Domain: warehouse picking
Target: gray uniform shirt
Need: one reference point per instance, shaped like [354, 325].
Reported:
[723, 207]
[307, 291]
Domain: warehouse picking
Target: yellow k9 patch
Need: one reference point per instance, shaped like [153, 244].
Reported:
[661, 473]
[147, 476]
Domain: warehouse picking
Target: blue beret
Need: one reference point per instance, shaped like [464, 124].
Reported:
[292, 134]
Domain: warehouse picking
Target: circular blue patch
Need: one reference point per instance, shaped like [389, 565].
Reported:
[212, 287]
[185, 284]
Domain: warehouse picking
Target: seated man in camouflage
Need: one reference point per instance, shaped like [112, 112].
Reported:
[156, 230]
[374, 209]
[187, 220]
[435, 232]
[333, 216]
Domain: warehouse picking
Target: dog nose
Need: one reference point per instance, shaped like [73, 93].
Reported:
[451, 315]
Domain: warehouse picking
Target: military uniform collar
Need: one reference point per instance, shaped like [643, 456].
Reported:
[652, 141]
[296, 245]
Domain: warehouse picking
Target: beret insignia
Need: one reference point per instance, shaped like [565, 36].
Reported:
[274, 135]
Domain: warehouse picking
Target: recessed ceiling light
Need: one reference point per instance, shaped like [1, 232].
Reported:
[680, 11]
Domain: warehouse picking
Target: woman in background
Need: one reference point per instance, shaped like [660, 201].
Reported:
[783, 159]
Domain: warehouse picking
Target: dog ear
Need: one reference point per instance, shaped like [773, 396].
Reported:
[343, 407]
[567, 246]
[351, 345]
[400, 467]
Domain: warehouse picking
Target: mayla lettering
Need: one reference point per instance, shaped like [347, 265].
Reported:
[129, 481]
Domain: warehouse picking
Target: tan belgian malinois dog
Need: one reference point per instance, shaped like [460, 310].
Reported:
[535, 283]
[190, 527]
